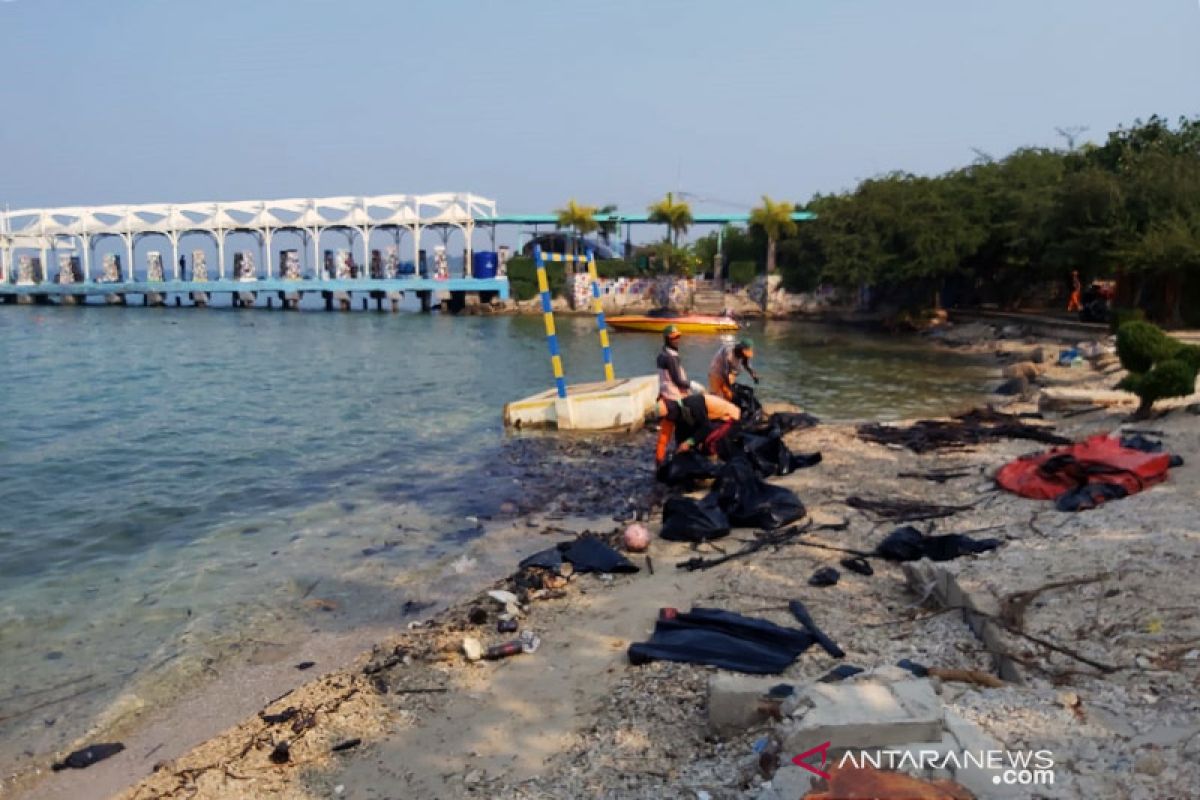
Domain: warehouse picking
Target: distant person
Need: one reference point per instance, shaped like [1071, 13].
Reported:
[673, 381]
[183, 268]
[1075, 303]
[698, 421]
[727, 364]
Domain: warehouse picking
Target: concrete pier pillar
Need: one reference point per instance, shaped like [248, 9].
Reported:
[426, 298]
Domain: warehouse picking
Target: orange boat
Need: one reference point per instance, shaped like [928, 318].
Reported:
[655, 321]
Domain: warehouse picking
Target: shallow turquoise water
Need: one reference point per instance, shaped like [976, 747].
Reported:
[171, 478]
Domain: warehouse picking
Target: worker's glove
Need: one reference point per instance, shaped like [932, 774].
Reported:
[755, 377]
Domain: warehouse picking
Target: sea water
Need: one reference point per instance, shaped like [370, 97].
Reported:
[182, 487]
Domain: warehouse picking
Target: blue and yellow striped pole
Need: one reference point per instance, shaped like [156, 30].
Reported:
[599, 309]
[548, 317]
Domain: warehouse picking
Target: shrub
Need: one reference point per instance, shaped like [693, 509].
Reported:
[742, 273]
[1189, 354]
[1119, 316]
[1140, 344]
[616, 268]
[522, 277]
[1171, 378]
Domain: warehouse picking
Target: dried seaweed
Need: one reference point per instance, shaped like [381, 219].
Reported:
[903, 510]
[977, 426]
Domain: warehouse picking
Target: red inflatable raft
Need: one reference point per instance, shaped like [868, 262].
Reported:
[1098, 463]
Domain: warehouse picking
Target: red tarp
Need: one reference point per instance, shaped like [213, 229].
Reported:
[1099, 459]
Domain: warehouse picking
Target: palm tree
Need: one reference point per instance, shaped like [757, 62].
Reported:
[581, 219]
[775, 219]
[677, 216]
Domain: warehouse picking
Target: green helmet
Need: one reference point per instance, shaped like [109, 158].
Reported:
[746, 343]
[670, 332]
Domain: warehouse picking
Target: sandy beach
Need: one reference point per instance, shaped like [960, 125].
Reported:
[414, 718]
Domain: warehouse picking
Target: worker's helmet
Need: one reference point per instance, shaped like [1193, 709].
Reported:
[746, 345]
[670, 333]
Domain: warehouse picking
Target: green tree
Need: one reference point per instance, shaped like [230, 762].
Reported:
[775, 220]
[676, 215]
[581, 219]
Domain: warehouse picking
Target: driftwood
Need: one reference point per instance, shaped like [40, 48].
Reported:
[772, 539]
[903, 510]
[975, 676]
[1014, 604]
[937, 475]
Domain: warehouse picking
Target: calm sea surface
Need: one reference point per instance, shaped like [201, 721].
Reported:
[173, 478]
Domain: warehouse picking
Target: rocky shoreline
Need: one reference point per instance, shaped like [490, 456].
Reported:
[1109, 587]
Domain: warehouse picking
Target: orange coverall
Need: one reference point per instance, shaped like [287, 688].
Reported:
[719, 410]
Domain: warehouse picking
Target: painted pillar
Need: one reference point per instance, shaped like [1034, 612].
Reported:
[560, 383]
[598, 308]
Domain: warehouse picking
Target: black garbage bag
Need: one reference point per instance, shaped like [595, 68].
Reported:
[1139, 442]
[1089, 496]
[685, 469]
[585, 554]
[909, 544]
[723, 639]
[550, 558]
[764, 448]
[589, 554]
[746, 401]
[751, 502]
[787, 421]
[824, 576]
[859, 565]
[688, 520]
[85, 757]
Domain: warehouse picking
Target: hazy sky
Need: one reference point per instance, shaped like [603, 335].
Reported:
[110, 101]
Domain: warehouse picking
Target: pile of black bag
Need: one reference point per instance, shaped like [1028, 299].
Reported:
[739, 497]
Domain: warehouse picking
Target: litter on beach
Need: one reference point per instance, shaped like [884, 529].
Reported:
[1088, 473]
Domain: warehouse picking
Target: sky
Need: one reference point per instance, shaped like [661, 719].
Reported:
[531, 103]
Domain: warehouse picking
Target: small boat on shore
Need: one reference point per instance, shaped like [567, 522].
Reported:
[655, 321]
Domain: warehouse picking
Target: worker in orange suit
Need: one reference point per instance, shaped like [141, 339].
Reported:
[1075, 303]
[728, 362]
[698, 422]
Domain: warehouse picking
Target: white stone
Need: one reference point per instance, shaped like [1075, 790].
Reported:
[472, 648]
[1150, 764]
[1166, 735]
[734, 701]
[866, 714]
[791, 783]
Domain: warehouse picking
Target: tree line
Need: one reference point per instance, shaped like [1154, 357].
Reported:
[1010, 230]
[1006, 231]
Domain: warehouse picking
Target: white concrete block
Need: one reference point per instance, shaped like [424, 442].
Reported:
[736, 702]
[866, 714]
